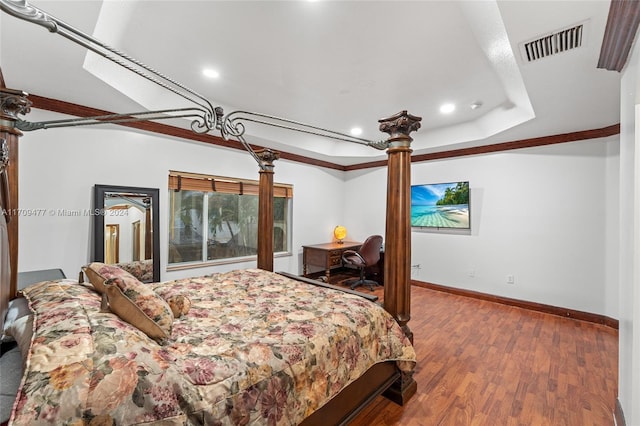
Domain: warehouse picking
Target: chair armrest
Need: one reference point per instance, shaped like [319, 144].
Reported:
[352, 253]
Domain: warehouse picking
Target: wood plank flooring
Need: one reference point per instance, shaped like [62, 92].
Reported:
[484, 363]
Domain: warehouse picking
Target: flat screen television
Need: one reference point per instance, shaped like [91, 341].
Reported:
[440, 205]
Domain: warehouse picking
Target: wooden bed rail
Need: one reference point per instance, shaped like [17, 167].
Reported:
[369, 297]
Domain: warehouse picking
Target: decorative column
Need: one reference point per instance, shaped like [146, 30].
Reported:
[12, 103]
[397, 247]
[265, 209]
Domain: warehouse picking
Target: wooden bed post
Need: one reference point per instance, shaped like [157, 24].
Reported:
[397, 247]
[12, 103]
[265, 209]
[397, 251]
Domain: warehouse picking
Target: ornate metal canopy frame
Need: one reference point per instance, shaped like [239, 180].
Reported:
[206, 117]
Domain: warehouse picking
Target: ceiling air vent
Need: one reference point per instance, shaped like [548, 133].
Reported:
[554, 43]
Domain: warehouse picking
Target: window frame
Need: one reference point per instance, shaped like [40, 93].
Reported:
[207, 184]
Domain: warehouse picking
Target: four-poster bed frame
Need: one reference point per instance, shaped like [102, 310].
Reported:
[383, 377]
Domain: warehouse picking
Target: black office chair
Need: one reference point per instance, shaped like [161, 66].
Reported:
[367, 256]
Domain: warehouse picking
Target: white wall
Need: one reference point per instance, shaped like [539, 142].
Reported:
[58, 168]
[546, 215]
[543, 215]
[629, 243]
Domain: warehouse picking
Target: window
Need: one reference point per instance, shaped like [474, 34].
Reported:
[214, 219]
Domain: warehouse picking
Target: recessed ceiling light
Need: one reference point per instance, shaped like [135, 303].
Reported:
[356, 131]
[211, 73]
[447, 108]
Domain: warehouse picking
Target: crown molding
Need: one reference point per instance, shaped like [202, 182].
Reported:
[77, 110]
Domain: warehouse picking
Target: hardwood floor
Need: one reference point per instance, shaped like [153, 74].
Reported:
[484, 363]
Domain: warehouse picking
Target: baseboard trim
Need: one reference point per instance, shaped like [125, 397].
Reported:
[618, 414]
[540, 307]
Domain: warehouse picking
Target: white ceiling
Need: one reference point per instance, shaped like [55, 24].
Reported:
[333, 64]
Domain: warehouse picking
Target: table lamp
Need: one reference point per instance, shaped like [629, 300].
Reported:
[340, 232]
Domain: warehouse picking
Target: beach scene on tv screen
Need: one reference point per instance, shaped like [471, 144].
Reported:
[440, 205]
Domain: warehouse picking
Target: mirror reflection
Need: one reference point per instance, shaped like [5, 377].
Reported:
[126, 229]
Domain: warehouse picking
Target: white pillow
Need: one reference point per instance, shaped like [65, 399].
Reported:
[22, 331]
[18, 308]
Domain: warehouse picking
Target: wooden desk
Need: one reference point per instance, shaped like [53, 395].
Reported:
[326, 255]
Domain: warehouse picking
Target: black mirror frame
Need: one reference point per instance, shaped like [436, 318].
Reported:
[98, 231]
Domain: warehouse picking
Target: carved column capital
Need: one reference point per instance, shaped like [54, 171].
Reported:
[12, 103]
[399, 126]
[268, 156]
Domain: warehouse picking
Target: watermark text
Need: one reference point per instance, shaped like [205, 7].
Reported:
[62, 212]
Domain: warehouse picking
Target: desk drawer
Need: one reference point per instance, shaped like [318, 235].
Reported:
[335, 260]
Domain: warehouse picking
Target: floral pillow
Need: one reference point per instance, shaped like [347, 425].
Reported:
[98, 273]
[137, 304]
[179, 305]
[141, 269]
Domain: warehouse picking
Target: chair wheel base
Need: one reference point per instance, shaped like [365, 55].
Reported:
[369, 283]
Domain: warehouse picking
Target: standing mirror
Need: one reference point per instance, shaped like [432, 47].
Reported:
[126, 229]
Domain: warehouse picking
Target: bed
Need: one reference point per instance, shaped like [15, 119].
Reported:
[347, 395]
[254, 347]
[386, 378]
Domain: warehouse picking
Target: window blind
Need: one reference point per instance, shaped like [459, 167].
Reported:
[206, 183]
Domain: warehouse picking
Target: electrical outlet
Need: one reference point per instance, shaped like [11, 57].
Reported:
[415, 270]
[511, 279]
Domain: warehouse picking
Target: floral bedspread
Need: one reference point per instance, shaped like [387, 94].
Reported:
[255, 348]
